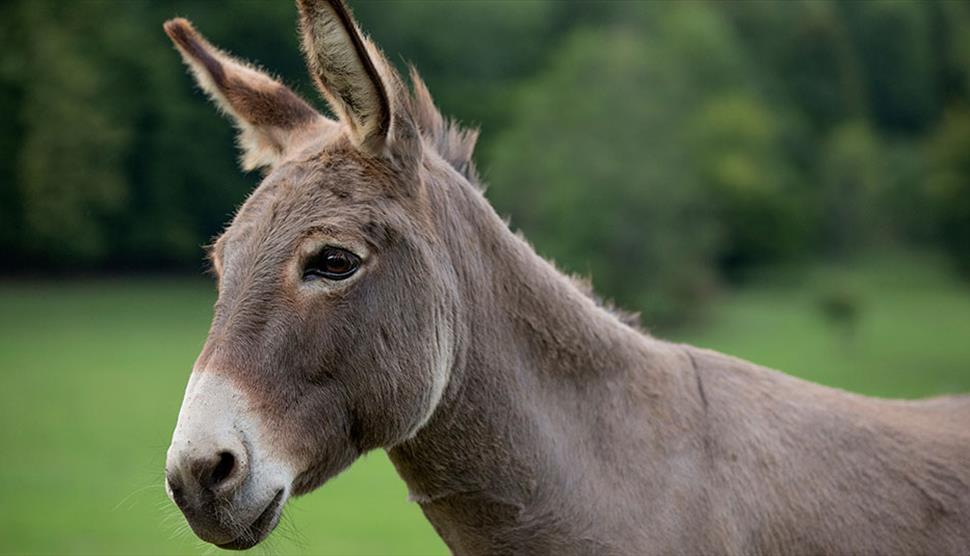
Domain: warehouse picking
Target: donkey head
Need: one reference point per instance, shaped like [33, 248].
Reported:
[332, 333]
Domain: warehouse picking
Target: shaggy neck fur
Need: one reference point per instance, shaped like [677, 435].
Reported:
[548, 387]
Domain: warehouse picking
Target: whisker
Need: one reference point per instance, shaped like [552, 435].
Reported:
[130, 495]
[179, 531]
[291, 532]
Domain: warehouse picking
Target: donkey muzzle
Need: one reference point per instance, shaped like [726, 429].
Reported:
[217, 472]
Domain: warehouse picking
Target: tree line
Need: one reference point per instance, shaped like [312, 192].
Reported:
[661, 148]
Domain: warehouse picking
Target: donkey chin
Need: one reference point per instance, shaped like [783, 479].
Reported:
[219, 468]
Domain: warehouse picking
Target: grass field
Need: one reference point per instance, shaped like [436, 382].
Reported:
[911, 339]
[91, 377]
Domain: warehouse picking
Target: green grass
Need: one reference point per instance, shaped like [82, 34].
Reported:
[911, 339]
[91, 377]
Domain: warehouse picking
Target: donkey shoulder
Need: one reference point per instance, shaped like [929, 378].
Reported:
[831, 471]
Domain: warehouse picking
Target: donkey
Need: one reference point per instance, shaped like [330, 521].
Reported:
[369, 297]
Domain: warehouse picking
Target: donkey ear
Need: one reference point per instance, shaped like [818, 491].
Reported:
[360, 86]
[271, 118]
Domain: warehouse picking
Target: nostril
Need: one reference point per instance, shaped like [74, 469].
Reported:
[201, 478]
[223, 469]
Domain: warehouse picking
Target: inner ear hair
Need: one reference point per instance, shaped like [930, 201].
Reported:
[344, 66]
[266, 111]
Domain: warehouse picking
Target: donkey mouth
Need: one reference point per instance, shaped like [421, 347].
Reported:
[259, 528]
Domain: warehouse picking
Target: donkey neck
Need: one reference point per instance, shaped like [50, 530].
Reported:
[546, 390]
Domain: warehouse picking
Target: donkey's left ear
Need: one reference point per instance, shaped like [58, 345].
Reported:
[272, 120]
[359, 84]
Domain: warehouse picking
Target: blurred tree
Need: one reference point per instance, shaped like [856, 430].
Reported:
[74, 135]
[654, 146]
[597, 167]
[951, 45]
[12, 74]
[116, 163]
[902, 214]
[896, 54]
[737, 143]
[852, 174]
[462, 51]
[948, 183]
[807, 56]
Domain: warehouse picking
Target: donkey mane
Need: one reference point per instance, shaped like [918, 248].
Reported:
[455, 143]
[629, 318]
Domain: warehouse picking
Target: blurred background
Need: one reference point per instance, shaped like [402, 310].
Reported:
[788, 182]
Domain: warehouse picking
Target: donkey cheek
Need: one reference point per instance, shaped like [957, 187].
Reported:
[324, 454]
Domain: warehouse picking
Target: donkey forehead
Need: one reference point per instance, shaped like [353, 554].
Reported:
[336, 193]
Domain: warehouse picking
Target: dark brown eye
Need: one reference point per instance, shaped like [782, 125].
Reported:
[331, 263]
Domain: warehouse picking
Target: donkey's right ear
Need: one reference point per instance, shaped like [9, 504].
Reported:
[272, 119]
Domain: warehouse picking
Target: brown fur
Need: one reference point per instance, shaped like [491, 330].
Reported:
[561, 429]
[273, 106]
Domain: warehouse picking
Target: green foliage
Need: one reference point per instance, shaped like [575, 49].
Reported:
[594, 170]
[852, 174]
[74, 138]
[948, 184]
[658, 148]
[477, 53]
[805, 51]
[620, 164]
[737, 145]
[895, 50]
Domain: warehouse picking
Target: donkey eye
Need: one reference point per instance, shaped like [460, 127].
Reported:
[331, 263]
